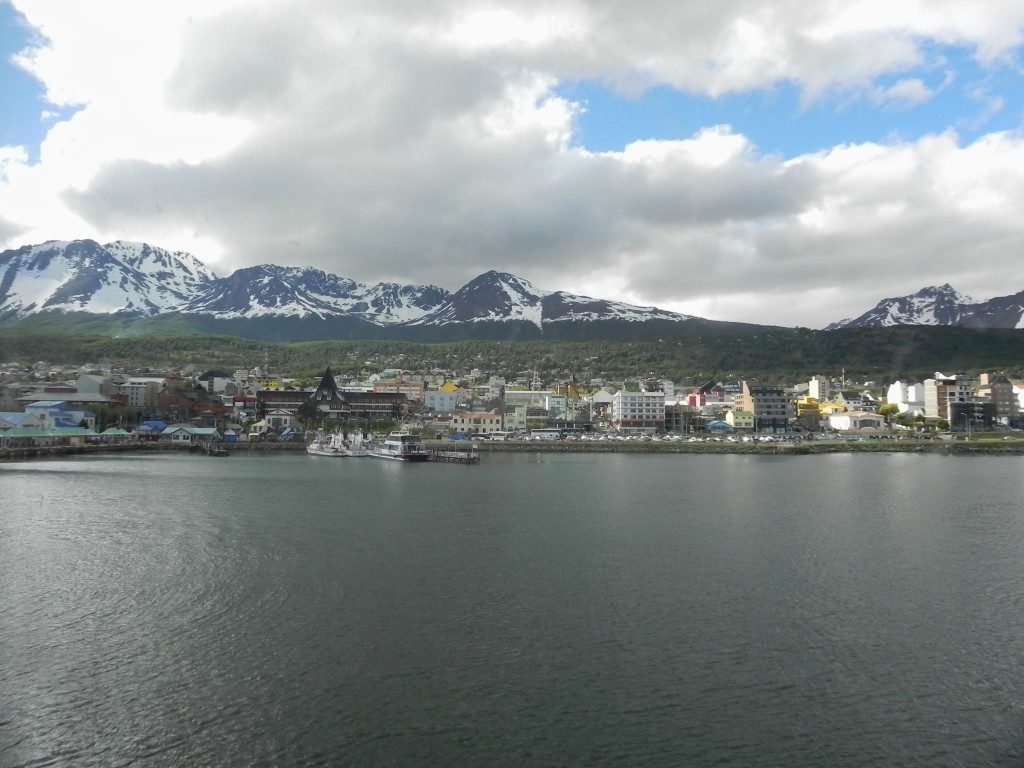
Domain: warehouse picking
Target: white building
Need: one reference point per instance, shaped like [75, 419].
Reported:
[437, 401]
[638, 412]
[909, 398]
[139, 392]
[477, 423]
[850, 421]
[820, 388]
[56, 413]
[495, 387]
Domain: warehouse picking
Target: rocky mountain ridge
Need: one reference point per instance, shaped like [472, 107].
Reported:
[138, 279]
[941, 305]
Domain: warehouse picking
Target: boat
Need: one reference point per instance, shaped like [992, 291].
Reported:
[327, 445]
[356, 446]
[402, 446]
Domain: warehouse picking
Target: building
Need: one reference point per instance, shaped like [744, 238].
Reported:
[188, 434]
[376, 406]
[638, 412]
[771, 406]
[909, 398]
[410, 386]
[820, 388]
[681, 418]
[142, 392]
[440, 401]
[739, 419]
[57, 413]
[852, 421]
[971, 415]
[326, 401]
[477, 422]
[943, 390]
[999, 390]
[8, 420]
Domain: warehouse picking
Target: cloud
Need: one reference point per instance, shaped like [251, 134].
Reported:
[908, 92]
[427, 142]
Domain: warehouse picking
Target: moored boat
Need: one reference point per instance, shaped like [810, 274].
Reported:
[402, 446]
[356, 446]
[327, 445]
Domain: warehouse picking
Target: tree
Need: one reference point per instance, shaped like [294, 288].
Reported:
[888, 410]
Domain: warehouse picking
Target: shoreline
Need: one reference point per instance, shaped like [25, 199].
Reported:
[772, 449]
[948, 448]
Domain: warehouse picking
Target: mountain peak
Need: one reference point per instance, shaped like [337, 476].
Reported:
[941, 305]
[135, 277]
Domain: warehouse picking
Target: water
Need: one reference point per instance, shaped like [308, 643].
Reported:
[538, 610]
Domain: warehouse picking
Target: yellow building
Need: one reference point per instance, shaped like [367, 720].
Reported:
[740, 419]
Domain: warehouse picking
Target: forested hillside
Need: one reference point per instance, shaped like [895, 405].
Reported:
[783, 355]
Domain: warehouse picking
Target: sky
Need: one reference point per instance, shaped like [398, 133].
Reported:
[788, 162]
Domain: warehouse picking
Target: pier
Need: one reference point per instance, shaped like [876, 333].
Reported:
[453, 457]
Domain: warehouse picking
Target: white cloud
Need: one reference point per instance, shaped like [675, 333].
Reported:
[426, 142]
[910, 92]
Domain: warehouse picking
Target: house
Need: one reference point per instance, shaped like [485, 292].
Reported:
[852, 421]
[55, 413]
[186, 434]
[10, 419]
[739, 419]
[279, 418]
[477, 423]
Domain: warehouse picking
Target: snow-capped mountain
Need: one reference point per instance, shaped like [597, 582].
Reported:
[941, 305]
[84, 276]
[501, 297]
[136, 279]
[933, 305]
[491, 297]
[302, 292]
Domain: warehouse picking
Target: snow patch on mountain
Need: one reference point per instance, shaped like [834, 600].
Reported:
[933, 305]
[566, 307]
[123, 276]
[492, 297]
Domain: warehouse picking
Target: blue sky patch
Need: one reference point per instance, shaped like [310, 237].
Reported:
[23, 99]
[966, 97]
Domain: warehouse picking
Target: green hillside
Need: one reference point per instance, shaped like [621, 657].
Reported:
[775, 355]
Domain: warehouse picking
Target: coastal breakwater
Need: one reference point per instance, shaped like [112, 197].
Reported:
[943, 447]
[64, 451]
[777, 449]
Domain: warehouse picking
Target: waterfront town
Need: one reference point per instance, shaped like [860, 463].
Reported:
[44, 406]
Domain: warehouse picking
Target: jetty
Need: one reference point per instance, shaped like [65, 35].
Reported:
[453, 457]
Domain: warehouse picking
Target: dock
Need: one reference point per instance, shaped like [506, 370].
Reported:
[453, 457]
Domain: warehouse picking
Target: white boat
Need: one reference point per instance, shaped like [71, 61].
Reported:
[357, 446]
[402, 446]
[327, 445]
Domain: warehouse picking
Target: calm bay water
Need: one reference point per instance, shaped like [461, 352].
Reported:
[534, 610]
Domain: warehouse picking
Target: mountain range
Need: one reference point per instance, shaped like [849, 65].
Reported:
[941, 305]
[141, 285]
[134, 288]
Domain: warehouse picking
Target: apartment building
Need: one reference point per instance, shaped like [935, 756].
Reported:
[638, 412]
[771, 406]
